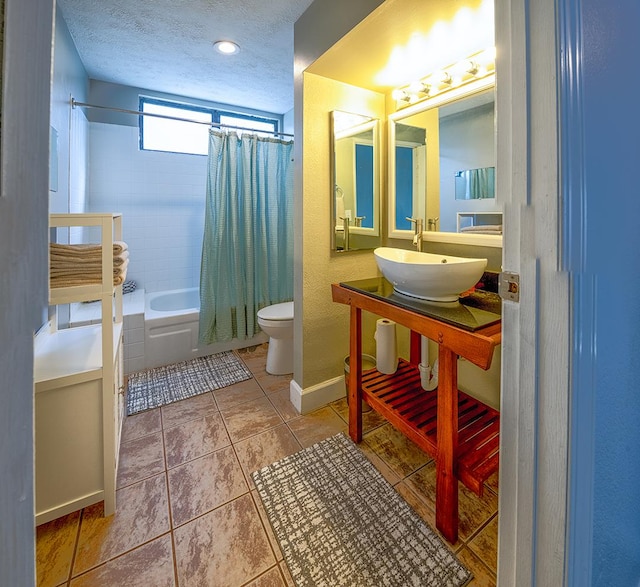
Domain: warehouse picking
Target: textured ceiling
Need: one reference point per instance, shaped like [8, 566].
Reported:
[167, 46]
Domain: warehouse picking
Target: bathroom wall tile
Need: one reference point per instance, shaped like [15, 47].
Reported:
[195, 438]
[142, 514]
[250, 418]
[136, 350]
[485, 544]
[263, 449]
[203, 484]
[55, 544]
[189, 409]
[227, 546]
[395, 449]
[473, 511]
[272, 578]
[140, 458]
[316, 426]
[140, 425]
[281, 401]
[233, 395]
[134, 568]
[134, 365]
[133, 335]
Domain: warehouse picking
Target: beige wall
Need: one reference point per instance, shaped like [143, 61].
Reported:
[326, 324]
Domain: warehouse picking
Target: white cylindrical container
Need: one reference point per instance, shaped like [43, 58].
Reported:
[386, 346]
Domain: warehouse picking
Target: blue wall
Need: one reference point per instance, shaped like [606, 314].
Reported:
[601, 164]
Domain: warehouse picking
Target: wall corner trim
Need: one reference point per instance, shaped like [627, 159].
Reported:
[316, 396]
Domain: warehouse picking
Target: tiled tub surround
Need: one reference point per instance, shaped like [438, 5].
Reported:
[188, 513]
[133, 326]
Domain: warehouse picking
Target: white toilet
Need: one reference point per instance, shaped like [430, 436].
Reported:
[277, 322]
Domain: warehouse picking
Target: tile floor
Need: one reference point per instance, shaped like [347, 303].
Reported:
[188, 513]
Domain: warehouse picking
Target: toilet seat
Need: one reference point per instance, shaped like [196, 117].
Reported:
[277, 312]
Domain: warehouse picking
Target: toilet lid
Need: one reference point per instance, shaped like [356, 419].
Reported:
[282, 311]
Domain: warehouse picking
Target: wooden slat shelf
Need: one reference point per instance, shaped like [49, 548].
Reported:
[402, 401]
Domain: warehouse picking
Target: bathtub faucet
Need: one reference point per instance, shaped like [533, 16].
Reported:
[417, 236]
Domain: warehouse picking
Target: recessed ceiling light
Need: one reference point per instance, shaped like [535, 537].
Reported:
[226, 47]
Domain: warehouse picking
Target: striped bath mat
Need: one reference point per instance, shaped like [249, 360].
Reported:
[164, 385]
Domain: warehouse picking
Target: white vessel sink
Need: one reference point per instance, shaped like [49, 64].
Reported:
[427, 276]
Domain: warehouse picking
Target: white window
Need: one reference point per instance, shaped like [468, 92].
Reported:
[164, 133]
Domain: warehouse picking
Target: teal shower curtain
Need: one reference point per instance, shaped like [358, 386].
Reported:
[247, 250]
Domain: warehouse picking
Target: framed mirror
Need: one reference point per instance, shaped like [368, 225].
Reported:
[355, 181]
[442, 168]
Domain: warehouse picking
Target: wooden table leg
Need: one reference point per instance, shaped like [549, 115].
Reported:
[447, 438]
[415, 347]
[355, 374]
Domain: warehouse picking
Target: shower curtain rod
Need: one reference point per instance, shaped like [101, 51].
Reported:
[75, 103]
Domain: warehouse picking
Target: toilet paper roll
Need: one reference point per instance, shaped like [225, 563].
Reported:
[386, 346]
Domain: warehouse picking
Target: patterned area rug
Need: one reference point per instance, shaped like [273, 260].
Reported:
[164, 385]
[340, 523]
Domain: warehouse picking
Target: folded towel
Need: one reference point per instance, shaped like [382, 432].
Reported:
[85, 250]
[488, 228]
[81, 276]
[85, 263]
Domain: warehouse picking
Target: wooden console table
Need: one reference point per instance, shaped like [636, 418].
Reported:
[458, 431]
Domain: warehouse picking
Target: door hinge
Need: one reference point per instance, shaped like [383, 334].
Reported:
[509, 286]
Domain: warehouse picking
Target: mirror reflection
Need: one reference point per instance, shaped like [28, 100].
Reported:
[442, 166]
[355, 207]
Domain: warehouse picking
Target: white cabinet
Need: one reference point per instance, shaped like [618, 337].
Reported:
[79, 391]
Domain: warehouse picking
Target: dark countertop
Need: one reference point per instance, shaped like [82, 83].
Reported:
[472, 312]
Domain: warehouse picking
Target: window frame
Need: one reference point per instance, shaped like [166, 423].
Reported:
[216, 114]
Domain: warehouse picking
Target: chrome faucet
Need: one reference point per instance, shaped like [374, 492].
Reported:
[432, 223]
[417, 236]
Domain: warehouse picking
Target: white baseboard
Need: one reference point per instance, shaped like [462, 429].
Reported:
[316, 396]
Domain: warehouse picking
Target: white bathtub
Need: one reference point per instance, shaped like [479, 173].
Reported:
[171, 329]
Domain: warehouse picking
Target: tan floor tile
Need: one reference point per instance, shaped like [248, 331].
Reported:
[493, 483]
[286, 574]
[485, 544]
[395, 449]
[142, 514]
[250, 418]
[386, 471]
[473, 511]
[255, 358]
[227, 546]
[282, 403]
[55, 543]
[482, 576]
[230, 397]
[188, 409]
[195, 438]
[141, 424]
[272, 578]
[317, 426]
[201, 485]
[140, 458]
[150, 564]
[426, 513]
[265, 448]
[370, 419]
[273, 383]
[267, 525]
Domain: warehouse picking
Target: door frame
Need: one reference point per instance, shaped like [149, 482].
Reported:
[535, 348]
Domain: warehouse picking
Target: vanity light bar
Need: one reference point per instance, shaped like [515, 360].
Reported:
[475, 67]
